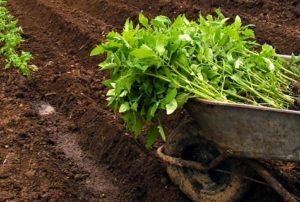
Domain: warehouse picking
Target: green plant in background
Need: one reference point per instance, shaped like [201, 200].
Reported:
[158, 65]
[10, 39]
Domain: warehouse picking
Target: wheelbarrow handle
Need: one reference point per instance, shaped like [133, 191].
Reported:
[287, 57]
[190, 164]
[264, 173]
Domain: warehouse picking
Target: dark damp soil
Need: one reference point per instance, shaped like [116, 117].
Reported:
[80, 150]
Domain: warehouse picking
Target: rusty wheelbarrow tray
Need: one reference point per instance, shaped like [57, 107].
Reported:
[248, 130]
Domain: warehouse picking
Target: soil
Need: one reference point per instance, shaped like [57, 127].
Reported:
[59, 141]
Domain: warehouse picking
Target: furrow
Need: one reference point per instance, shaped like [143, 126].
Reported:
[73, 30]
[111, 12]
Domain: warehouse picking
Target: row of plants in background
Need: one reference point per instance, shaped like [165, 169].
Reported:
[10, 39]
[159, 64]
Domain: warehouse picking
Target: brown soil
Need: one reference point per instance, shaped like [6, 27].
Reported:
[81, 152]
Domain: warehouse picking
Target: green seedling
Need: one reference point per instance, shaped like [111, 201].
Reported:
[10, 39]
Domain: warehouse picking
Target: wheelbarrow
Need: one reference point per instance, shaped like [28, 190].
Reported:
[209, 157]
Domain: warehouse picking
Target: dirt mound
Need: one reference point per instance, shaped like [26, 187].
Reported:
[41, 155]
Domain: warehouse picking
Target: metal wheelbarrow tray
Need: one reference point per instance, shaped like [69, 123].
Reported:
[248, 130]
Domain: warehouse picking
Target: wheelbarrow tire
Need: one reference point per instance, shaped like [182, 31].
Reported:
[201, 185]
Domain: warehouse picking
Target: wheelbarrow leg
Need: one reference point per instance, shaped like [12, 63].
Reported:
[263, 172]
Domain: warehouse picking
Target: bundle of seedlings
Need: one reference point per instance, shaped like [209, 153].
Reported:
[159, 64]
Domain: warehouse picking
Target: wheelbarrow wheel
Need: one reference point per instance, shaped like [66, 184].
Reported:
[204, 186]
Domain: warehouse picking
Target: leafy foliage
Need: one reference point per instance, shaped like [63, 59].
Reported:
[10, 38]
[158, 65]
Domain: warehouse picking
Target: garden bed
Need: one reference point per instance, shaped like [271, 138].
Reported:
[82, 152]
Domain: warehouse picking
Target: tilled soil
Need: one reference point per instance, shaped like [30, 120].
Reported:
[80, 151]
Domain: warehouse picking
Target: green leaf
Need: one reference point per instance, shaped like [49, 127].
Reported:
[297, 59]
[128, 25]
[160, 21]
[124, 93]
[209, 55]
[111, 92]
[152, 110]
[97, 51]
[270, 64]
[171, 94]
[171, 107]
[143, 52]
[137, 127]
[181, 99]
[249, 33]
[143, 20]
[237, 77]
[185, 37]
[161, 132]
[173, 45]
[124, 107]
[107, 83]
[237, 22]
[238, 63]
[267, 51]
[182, 59]
[161, 42]
[134, 106]
[107, 65]
[219, 13]
[152, 136]
[112, 46]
